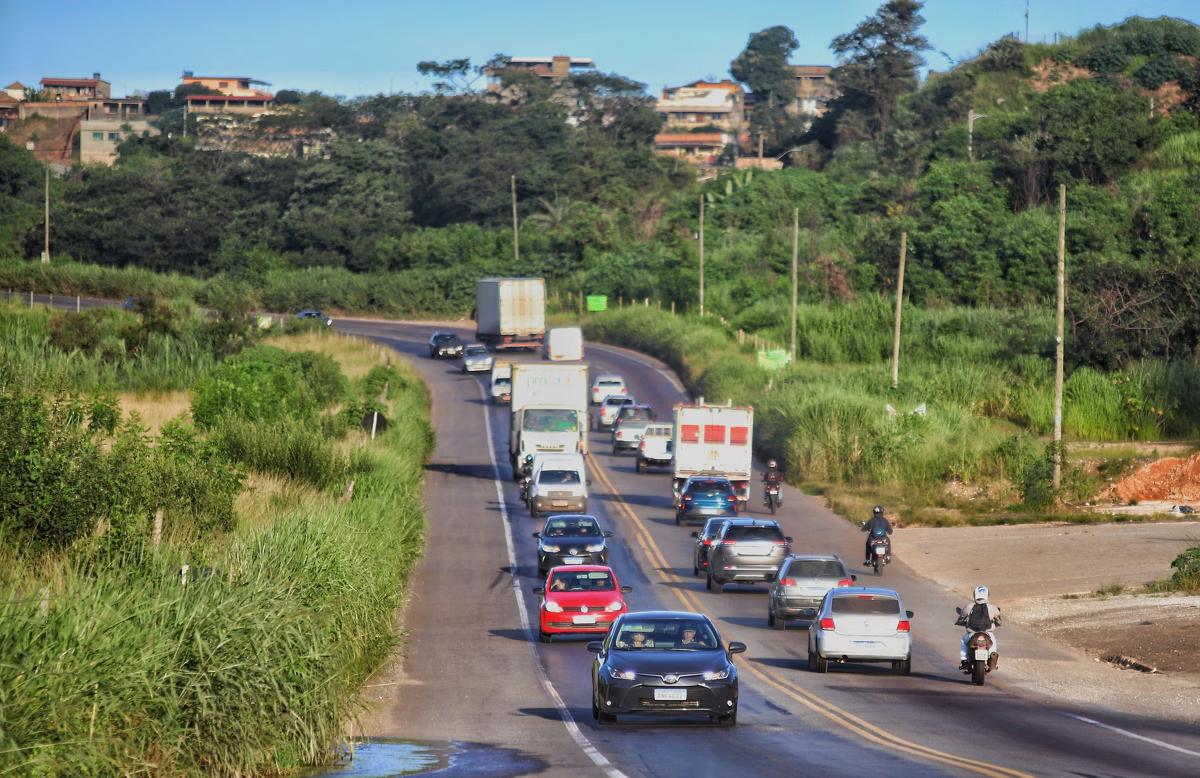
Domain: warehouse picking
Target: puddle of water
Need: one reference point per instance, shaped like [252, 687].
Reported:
[387, 758]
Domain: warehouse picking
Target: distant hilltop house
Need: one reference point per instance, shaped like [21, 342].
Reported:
[814, 90]
[699, 120]
[233, 95]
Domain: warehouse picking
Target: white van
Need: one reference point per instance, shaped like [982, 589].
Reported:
[564, 344]
[501, 382]
[559, 485]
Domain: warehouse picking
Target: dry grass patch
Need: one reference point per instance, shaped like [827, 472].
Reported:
[155, 408]
[266, 498]
[355, 355]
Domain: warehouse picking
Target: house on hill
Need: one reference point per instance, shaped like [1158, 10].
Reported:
[228, 95]
[60, 89]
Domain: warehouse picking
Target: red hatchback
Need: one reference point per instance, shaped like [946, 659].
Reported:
[579, 599]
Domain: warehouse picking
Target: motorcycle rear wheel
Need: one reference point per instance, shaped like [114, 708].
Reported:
[978, 672]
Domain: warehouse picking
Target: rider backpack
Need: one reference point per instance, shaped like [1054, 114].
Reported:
[980, 619]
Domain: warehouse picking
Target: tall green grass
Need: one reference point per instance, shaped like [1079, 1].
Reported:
[252, 667]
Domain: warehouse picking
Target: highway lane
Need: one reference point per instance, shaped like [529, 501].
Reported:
[929, 721]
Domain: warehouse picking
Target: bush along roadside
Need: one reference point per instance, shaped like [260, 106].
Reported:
[228, 654]
[827, 419]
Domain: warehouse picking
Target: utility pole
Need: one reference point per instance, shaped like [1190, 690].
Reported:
[1027, 21]
[971, 117]
[516, 228]
[46, 244]
[899, 308]
[1059, 332]
[760, 150]
[795, 273]
[183, 134]
[701, 255]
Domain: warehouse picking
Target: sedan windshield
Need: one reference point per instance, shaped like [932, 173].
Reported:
[866, 605]
[666, 634]
[557, 528]
[442, 340]
[551, 421]
[576, 581]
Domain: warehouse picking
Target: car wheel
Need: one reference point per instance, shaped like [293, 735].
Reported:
[600, 716]
[616, 451]
[771, 620]
[716, 587]
[817, 663]
[695, 570]
[728, 720]
[545, 637]
[678, 519]
[638, 466]
[903, 667]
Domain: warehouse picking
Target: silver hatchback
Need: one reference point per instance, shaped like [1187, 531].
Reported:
[802, 583]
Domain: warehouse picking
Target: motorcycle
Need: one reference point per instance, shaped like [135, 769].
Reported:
[771, 497]
[881, 551]
[526, 482]
[981, 653]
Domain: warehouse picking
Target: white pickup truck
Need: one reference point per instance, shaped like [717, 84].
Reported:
[654, 449]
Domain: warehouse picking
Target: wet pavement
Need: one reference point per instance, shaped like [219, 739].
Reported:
[389, 758]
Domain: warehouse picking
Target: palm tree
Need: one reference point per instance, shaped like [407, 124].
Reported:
[555, 214]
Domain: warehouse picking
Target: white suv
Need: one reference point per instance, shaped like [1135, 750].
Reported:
[609, 409]
[605, 385]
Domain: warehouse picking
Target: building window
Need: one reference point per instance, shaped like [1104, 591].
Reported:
[223, 85]
[113, 136]
[97, 136]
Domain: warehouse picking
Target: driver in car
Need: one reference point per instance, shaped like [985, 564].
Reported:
[637, 640]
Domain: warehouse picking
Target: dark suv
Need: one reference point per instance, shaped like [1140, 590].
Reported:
[747, 551]
[445, 344]
[704, 540]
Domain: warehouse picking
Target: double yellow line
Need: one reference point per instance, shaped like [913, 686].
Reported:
[864, 729]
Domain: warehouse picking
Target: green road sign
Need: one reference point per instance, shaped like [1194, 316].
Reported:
[773, 359]
[597, 302]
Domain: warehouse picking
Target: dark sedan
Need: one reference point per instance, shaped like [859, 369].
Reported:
[704, 540]
[571, 540]
[445, 345]
[664, 663]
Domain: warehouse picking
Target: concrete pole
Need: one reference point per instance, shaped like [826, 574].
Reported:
[516, 227]
[46, 244]
[701, 255]
[795, 273]
[899, 311]
[1059, 333]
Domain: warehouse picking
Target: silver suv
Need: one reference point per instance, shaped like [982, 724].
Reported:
[747, 551]
[801, 585]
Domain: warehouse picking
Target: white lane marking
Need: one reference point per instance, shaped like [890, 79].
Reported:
[1133, 735]
[563, 713]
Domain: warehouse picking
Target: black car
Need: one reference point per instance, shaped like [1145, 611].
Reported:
[704, 540]
[314, 313]
[571, 539]
[664, 663]
[445, 344]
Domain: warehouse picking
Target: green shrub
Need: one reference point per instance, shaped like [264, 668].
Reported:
[1159, 71]
[267, 384]
[288, 447]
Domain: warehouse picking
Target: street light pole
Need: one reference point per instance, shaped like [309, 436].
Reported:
[971, 117]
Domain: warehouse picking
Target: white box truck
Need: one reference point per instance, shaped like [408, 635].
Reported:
[549, 411]
[714, 440]
[510, 312]
[564, 344]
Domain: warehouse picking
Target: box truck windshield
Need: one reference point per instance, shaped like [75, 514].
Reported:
[556, 420]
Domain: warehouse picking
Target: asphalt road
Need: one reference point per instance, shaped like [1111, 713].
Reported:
[472, 673]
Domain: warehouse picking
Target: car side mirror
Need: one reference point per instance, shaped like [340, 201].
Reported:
[853, 577]
[539, 590]
[626, 589]
[909, 614]
[608, 533]
[789, 539]
[696, 535]
[737, 647]
[537, 535]
[595, 646]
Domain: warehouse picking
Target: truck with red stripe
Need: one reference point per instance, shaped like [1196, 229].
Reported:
[714, 440]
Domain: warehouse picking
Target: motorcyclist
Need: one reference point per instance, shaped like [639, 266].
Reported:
[978, 616]
[876, 526]
[772, 477]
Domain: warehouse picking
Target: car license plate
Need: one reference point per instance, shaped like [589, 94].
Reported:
[558, 503]
[572, 560]
[981, 653]
[670, 695]
[584, 619]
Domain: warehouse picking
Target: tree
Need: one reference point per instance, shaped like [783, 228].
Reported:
[879, 61]
[763, 67]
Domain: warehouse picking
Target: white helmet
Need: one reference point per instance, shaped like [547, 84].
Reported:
[981, 594]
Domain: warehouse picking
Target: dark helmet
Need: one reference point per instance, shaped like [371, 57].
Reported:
[878, 510]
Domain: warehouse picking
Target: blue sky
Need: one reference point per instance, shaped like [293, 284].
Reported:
[355, 47]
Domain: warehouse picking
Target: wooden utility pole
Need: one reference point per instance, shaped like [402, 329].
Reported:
[702, 255]
[899, 311]
[760, 150]
[795, 273]
[46, 244]
[516, 227]
[1059, 332]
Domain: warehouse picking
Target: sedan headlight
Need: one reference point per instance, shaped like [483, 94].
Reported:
[717, 675]
[595, 548]
[623, 675]
[552, 606]
[614, 606]
[551, 549]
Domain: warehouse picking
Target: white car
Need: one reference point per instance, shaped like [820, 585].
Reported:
[609, 409]
[605, 385]
[654, 449]
[476, 359]
[857, 624]
[559, 484]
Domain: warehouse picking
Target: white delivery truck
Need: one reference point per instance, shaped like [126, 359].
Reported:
[501, 382]
[510, 312]
[714, 440]
[564, 344]
[549, 411]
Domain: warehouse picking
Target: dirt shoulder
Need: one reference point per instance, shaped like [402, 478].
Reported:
[1043, 576]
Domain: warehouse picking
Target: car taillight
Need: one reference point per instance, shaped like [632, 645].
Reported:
[827, 623]
[903, 626]
[642, 446]
[687, 498]
[845, 582]
[787, 581]
[781, 542]
[708, 542]
[732, 498]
